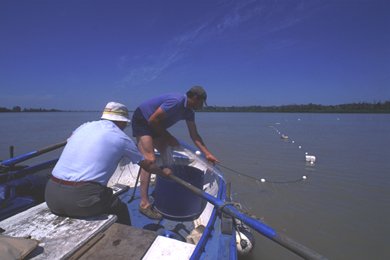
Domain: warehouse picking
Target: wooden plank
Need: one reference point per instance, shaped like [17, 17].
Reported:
[59, 237]
[121, 242]
[87, 246]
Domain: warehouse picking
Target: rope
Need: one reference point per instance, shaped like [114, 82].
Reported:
[262, 179]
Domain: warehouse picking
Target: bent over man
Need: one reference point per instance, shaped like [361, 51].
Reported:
[77, 187]
[150, 123]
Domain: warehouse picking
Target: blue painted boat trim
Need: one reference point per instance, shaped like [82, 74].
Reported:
[233, 246]
[16, 184]
[199, 249]
[17, 205]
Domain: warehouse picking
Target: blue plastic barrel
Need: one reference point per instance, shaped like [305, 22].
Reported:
[176, 202]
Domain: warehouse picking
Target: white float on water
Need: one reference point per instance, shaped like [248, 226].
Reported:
[245, 241]
[310, 158]
[198, 153]
[304, 177]
[262, 180]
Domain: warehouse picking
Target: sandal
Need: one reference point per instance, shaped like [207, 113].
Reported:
[150, 212]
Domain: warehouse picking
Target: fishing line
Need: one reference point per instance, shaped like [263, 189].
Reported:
[309, 158]
[262, 179]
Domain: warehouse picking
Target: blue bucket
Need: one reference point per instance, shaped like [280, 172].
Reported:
[176, 202]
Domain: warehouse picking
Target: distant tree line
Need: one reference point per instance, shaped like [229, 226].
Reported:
[378, 107]
[19, 109]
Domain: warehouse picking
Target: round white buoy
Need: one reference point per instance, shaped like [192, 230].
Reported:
[293, 141]
[262, 180]
[198, 153]
[304, 177]
[244, 243]
[299, 147]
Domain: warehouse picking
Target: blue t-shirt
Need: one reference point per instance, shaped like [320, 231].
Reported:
[174, 105]
[93, 152]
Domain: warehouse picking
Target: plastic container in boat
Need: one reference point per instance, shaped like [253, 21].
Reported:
[176, 202]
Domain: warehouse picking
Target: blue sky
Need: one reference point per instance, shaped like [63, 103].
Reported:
[82, 54]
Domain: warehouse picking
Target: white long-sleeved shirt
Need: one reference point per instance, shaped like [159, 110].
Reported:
[93, 152]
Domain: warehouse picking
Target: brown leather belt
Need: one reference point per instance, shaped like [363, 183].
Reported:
[69, 183]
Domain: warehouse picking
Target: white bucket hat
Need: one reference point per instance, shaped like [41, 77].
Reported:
[116, 112]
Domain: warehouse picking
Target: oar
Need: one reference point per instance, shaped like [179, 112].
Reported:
[257, 225]
[26, 156]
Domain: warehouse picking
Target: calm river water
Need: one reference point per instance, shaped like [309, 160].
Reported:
[341, 209]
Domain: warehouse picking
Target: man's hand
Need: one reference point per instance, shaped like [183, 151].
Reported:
[211, 158]
[166, 172]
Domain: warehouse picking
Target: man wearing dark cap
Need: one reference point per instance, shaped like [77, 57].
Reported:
[150, 123]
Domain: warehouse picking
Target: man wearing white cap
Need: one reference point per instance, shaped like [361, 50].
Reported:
[77, 187]
[150, 123]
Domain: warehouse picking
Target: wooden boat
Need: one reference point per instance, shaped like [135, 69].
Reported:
[200, 221]
[22, 187]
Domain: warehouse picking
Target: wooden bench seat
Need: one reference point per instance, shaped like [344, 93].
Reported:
[60, 237]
